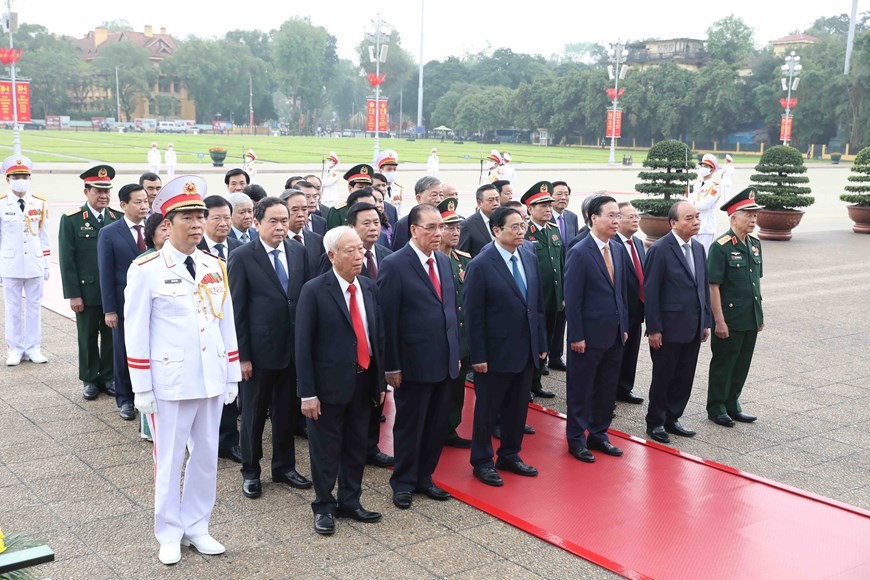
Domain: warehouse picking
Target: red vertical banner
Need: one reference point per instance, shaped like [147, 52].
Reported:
[370, 116]
[23, 90]
[614, 124]
[382, 109]
[383, 115]
[5, 102]
[785, 128]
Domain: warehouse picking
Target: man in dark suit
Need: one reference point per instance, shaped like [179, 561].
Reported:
[340, 354]
[584, 213]
[678, 319]
[266, 277]
[596, 311]
[422, 352]
[567, 222]
[507, 338]
[635, 254]
[379, 182]
[313, 243]
[314, 222]
[426, 190]
[118, 244]
[216, 241]
[474, 233]
[242, 228]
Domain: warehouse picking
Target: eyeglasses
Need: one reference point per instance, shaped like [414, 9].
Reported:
[517, 228]
[219, 218]
[433, 227]
[612, 216]
[630, 217]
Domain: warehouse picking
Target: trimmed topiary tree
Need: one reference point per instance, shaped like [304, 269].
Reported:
[858, 190]
[780, 180]
[670, 163]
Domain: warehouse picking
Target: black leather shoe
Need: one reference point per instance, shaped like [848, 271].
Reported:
[109, 387]
[489, 476]
[435, 492]
[359, 514]
[557, 365]
[582, 454]
[606, 447]
[90, 391]
[545, 371]
[252, 489]
[629, 397]
[678, 429]
[292, 478]
[743, 417]
[724, 419]
[234, 453]
[324, 524]
[127, 412]
[543, 393]
[496, 432]
[302, 432]
[459, 442]
[402, 499]
[381, 459]
[528, 429]
[658, 434]
[518, 467]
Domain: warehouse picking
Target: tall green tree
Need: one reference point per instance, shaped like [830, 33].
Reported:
[719, 101]
[731, 40]
[50, 63]
[136, 74]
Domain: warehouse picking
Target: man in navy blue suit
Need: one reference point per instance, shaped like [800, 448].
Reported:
[568, 223]
[678, 319]
[422, 352]
[507, 338]
[596, 312]
[426, 190]
[635, 254]
[118, 245]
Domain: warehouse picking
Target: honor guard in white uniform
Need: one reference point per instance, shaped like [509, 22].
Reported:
[184, 366]
[154, 159]
[250, 166]
[171, 161]
[433, 164]
[727, 177]
[707, 197]
[508, 171]
[387, 164]
[493, 167]
[24, 266]
[329, 181]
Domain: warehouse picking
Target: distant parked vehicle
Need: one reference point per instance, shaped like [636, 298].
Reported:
[165, 127]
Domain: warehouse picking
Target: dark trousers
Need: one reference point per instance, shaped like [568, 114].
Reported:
[628, 368]
[457, 396]
[121, 372]
[374, 430]
[729, 368]
[95, 346]
[550, 320]
[228, 436]
[591, 393]
[557, 342]
[276, 390]
[673, 373]
[419, 433]
[505, 394]
[337, 448]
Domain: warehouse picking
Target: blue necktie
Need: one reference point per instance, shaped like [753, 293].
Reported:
[517, 278]
[562, 227]
[282, 273]
[220, 251]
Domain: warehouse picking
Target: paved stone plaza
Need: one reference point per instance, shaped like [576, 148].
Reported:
[72, 473]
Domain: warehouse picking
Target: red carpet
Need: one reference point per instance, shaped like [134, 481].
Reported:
[659, 513]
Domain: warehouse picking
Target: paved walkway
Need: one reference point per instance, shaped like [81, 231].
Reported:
[75, 475]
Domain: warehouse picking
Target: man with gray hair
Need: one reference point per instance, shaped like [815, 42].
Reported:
[427, 190]
[243, 217]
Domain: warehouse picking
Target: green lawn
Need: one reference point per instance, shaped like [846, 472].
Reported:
[71, 146]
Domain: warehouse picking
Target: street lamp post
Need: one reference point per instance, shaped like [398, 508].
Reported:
[377, 55]
[13, 56]
[791, 71]
[617, 56]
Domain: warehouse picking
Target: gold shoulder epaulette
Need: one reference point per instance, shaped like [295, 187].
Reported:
[339, 205]
[145, 258]
[723, 240]
[463, 254]
[3, 196]
[74, 211]
[37, 196]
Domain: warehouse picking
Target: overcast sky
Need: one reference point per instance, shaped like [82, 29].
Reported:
[452, 27]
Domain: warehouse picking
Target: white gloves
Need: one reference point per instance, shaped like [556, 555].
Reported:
[145, 402]
[47, 274]
[231, 393]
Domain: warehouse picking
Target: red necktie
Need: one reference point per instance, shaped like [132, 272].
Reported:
[362, 347]
[140, 241]
[434, 277]
[637, 267]
[298, 238]
[370, 265]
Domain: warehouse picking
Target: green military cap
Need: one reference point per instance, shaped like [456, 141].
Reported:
[745, 200]
[538, 193]
[362, 172]
[99, 176]
[448, 210]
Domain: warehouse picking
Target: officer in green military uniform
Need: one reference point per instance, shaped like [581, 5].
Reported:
[734, 272]
[459, 263]
[357, 177]
[77, 247]
[547, 240]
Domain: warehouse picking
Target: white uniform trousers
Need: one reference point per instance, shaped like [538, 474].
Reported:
[23, 326]
[190, 424]
[705, 240]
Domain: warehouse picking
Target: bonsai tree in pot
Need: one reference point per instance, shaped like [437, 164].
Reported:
[781, 184]
[858, 193]
[666, 181]
[217, 154]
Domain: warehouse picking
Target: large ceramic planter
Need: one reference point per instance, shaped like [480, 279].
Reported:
[654, 227]
[777, 224]
[860, 214]
[217, 158]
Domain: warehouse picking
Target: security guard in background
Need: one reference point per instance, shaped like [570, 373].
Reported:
[77, 248]
[387, 164]
[547, 241]
[357, 177]
[734, 271]
[459, 263]
[24, 266]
